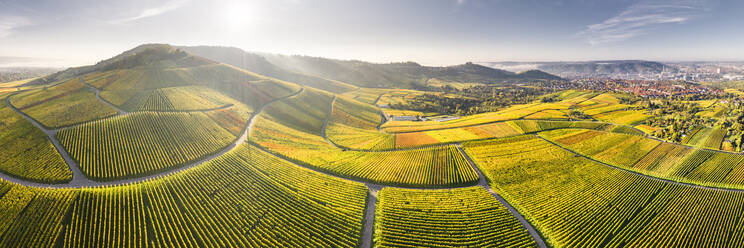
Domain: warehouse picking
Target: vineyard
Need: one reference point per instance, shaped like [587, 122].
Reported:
[425, 167]
[365, 95]
[235, 200]
[652, 157]
[354, 124]
[488, 131]
[26, 151]
[547, 115]
[466, 217]
[536, 110]
[142, 143]
[305, 112]
[612, 148]
[578, 203]
[133, 88]
[186, 98]
[710, 138]
[160, 148]
[624, 117]
[66, 104]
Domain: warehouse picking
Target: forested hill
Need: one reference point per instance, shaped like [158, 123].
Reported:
[359, 73]
[258, 64]
[146, 55]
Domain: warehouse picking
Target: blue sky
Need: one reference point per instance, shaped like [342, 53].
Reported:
[434, 32]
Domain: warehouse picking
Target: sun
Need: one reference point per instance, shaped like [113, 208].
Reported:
[237, 14]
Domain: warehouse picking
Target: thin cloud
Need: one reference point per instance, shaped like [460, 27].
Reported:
[643, 17]
[9, 23]
[150, 12]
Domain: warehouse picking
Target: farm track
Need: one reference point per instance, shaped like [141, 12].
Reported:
[483, 182]
[98, 95]
[79, 180]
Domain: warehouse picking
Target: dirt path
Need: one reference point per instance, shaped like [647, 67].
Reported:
[368, 230]
[484, 183]
[98, 95]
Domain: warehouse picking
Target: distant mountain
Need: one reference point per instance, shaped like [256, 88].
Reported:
[588, 68]
[327, 73]
[258, 64]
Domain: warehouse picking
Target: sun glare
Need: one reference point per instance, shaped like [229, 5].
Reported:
[237, 14]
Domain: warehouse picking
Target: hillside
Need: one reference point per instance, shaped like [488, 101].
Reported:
[328, 74]
[406, 74]
[258, 64]
[164, 108]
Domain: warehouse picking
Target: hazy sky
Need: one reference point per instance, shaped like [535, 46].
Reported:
[434, 32]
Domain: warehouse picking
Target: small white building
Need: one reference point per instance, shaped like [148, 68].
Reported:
[405, 118]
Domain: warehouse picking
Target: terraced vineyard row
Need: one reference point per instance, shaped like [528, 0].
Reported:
[186, 98]
[652, 157]
[710, 138]
[233, 201]
[466, 217]
[142, 143]
[579, 203]
[26, 151]
[612, 148]
[487, 131]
